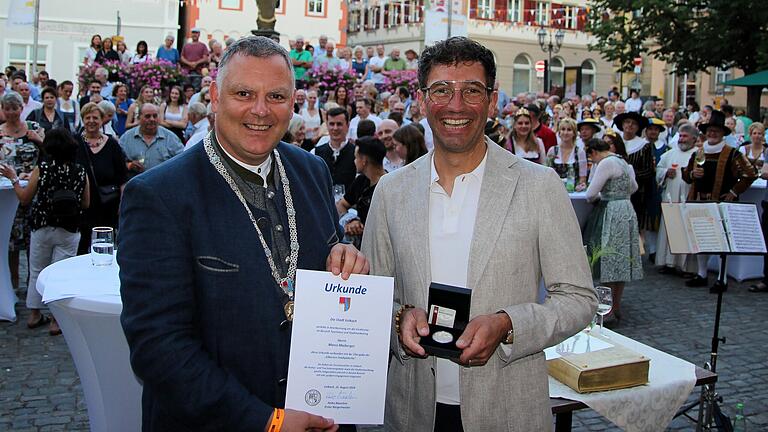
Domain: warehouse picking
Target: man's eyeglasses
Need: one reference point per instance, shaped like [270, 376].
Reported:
[472, 92]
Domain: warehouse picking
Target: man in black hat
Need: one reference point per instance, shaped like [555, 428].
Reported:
[588, 129]
[717, 172]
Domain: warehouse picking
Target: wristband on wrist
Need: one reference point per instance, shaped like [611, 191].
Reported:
[15, 181]
[277, 420]
[403, 308]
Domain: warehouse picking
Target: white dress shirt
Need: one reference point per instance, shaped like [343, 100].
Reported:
[451, 227]
[352, 133]
[199, 132]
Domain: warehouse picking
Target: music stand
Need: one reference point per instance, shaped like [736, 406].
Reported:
[710, 415]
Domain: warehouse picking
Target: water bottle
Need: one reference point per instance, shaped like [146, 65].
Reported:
[739, 422]
[570, 184]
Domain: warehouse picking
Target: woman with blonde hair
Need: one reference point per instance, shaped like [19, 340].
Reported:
[755, 149]
[567, 156]
[146, 95]
[522, 141]
[609, 110]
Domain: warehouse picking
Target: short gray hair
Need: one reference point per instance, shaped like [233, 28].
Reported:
[12, 100]
[198, 108]
[296, 123]
[689, 129]
[108, 107]
[170, 36]
[254, 46]
[141, 107]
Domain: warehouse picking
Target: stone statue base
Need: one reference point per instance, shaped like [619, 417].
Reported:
[275, 36]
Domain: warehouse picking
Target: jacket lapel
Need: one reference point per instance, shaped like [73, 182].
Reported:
[417, 215]
[499, 181]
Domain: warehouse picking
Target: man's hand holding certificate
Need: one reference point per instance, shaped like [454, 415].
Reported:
[340, 346]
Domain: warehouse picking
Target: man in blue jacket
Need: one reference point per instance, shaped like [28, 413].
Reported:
[209, 247]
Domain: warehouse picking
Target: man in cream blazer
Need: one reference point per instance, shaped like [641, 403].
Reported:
[471, 214]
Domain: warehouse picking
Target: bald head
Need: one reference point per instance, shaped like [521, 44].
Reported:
[384, 133]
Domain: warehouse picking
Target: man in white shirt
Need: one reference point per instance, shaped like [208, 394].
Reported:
[363, 107]
[198, 116]
[674, 189]
[376, 65]
[205, 83]
[29, 103]
[384, 132]
[470, 215]
[320, 49]
[634, 103]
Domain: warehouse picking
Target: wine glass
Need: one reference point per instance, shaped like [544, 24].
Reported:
[701, 158]
[604, 303]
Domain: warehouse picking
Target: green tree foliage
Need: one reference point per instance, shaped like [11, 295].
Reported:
[691, 34]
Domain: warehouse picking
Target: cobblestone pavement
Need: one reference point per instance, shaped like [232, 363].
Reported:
[40, 389]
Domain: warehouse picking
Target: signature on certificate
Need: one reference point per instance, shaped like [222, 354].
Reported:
[341, 394]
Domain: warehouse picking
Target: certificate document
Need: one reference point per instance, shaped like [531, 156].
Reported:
[340, 346]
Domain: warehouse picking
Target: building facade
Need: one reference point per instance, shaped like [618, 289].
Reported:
[66, 28]
[219, 19]
[508, 28]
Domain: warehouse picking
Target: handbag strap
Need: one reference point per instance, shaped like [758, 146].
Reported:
[90, 163]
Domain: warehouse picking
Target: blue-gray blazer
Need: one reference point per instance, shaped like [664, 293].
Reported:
[201, 311]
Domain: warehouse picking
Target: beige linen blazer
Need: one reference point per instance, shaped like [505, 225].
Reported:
[525, 229]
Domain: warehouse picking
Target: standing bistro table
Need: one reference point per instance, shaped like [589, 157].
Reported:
[86, 302]
[8, 205]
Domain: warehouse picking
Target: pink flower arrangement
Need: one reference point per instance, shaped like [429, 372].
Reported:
[331, 78]
[159, 74]
[405, 78]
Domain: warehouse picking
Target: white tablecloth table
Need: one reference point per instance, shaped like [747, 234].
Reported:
[8, 205]
[643, 408]
[86, 302]
[743, 267]
[581, 207]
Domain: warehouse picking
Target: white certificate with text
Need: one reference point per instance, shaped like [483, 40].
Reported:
[340, 346]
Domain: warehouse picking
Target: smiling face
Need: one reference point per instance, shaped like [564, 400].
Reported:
[148, 119]
[756, 136]
[522, 126]
[92, 121]
[566, 133]
[385, 131]
[175, 95]
[11, 112]
[253, 106]
[714, 135]
[630, 128]
[337, 128]
[457, 126]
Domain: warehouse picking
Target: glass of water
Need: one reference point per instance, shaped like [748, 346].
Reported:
[604, 303]
[338, 192]
[102, 246]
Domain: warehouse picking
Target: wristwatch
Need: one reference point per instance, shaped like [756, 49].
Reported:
[510, 337]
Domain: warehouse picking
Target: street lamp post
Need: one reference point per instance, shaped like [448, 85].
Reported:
[549, 48]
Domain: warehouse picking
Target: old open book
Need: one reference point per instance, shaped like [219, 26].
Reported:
[713, 228]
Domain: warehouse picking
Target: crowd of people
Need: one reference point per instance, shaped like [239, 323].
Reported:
[273, 125]
[364, 131]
